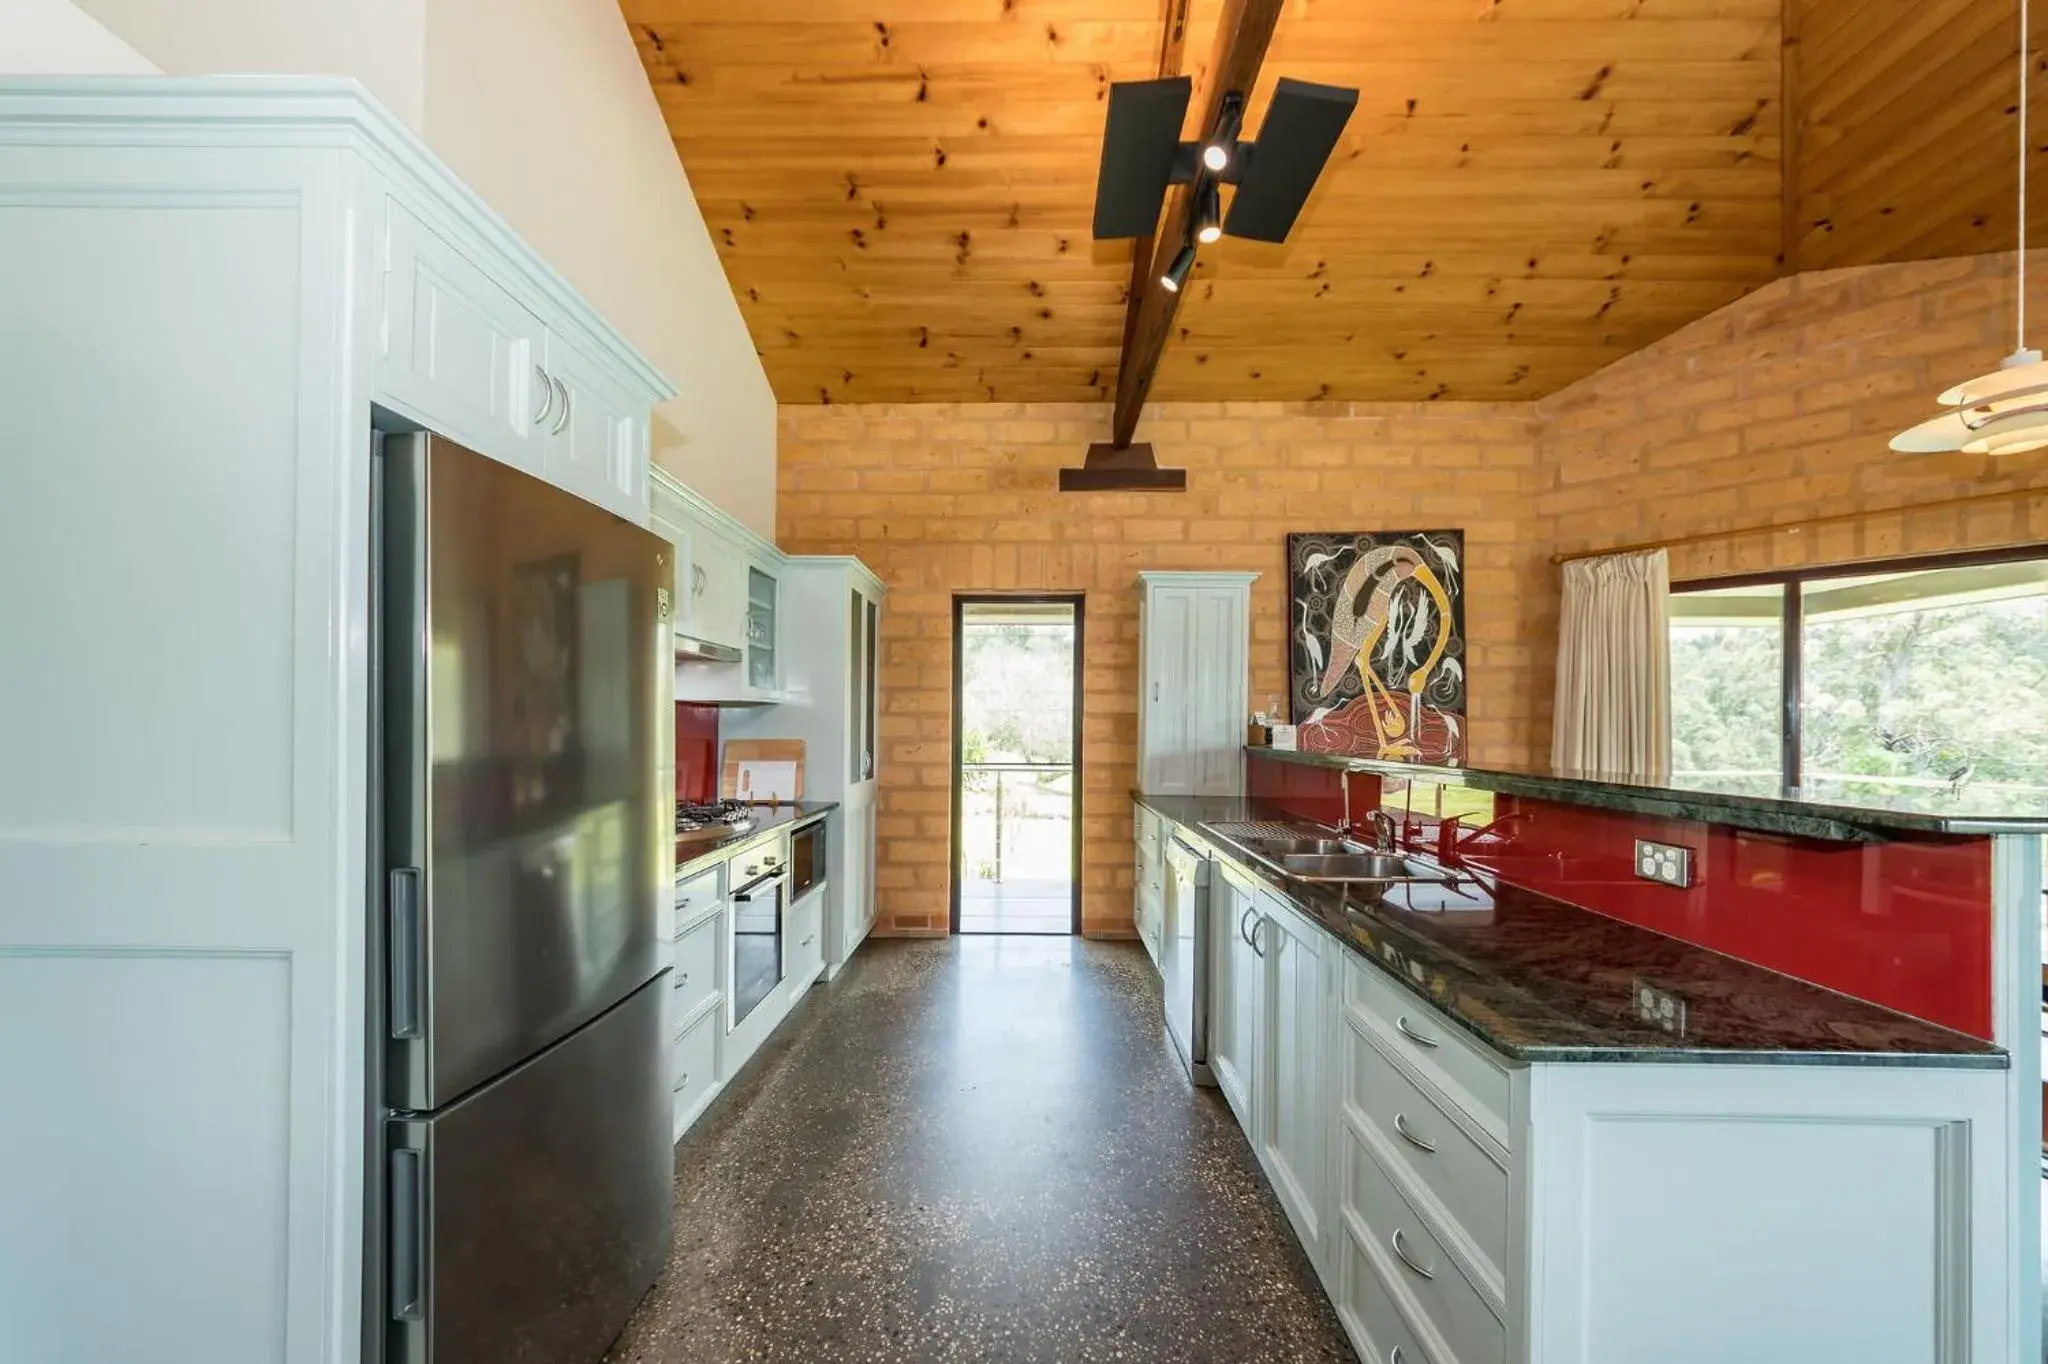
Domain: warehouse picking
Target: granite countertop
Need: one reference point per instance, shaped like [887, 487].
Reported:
[1841, 809]
[769, 820]
[1537, 979]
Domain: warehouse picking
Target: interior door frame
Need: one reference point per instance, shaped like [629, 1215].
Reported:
[961, 601]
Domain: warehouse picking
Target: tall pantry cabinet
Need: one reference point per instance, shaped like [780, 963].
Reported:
[831, 702]
[1193, 660]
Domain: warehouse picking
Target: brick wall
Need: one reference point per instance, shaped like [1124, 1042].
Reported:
[940, 499]
[1778, 409]
[1775, 409]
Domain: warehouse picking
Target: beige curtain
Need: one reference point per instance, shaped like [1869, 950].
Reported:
[1613, 710]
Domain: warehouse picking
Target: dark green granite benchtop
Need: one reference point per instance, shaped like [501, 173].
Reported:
[1540, 980]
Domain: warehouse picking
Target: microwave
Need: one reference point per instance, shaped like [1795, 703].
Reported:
[806, 860]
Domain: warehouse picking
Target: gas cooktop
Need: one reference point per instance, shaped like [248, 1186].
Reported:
[725, 816]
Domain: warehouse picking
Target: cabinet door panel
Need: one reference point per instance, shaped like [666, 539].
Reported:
[1169, 768]
[1293, 1093]
[459, 351]
[1230, 961]
[1215, 720]
[591, 442]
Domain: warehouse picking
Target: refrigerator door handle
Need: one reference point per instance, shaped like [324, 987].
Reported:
[408, 1235]
[404, 930]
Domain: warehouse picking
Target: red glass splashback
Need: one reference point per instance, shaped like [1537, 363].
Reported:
[1905, 924]
[696, 752]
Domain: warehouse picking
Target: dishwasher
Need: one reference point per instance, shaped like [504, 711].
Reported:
[1184, 955]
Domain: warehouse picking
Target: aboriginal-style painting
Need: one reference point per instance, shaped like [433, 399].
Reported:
[1376, 643]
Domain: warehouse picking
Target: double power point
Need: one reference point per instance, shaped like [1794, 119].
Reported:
[1668, 864]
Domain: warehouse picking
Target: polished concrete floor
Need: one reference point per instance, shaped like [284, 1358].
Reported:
[1018, 905]
[977, 1149]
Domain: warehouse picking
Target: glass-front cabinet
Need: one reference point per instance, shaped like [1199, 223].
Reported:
[863, 623]
[763, 667]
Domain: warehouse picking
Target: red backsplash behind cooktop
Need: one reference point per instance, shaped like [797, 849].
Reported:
[1904, 924]
[696, 752]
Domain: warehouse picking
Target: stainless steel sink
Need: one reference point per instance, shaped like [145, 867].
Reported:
[1354, 866]
[1288, 847]
[1316, 859]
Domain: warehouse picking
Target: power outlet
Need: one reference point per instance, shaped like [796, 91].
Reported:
[1664, 1008]
[1668, 864]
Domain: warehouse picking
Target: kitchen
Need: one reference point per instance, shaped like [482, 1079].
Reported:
[857, 361]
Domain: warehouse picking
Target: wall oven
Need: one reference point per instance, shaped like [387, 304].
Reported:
[757, 940]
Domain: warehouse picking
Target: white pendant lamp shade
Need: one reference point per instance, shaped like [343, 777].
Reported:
[2001, 413]
[2004, 412]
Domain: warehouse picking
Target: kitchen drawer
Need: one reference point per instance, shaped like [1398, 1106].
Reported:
[694, 1061]
[1370, 1313]
[806, 935]
[1431, 1146]
[1148, 829]
[696, 966]
[1415, 1263]
[1465, 1072]
[698, 892]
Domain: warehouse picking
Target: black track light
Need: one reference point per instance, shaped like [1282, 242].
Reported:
[1222, 145]
[1178, 272]
[1208, 212]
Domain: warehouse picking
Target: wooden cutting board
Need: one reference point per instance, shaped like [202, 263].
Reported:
[763, 770]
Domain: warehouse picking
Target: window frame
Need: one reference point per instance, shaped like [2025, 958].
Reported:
[1792, 620]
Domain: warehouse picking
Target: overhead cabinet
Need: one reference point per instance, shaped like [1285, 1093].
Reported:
[728, 593]
[1193, 662]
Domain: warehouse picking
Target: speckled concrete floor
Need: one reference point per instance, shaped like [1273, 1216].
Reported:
[977, 1150]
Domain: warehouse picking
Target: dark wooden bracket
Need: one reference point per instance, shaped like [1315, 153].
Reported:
[1131, 468]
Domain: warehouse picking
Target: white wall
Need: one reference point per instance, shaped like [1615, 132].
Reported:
[544, 108]
[376, 41]
[57, 38]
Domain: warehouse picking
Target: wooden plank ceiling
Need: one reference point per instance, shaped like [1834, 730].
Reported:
[1904, 136]
[902, 189]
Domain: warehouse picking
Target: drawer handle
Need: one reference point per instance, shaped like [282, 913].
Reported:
[1241, 921]
[1407, 1031]
[1401, 1130]
[1396, 1357]
[547, 388]
[1401, 1251]
[1257, 950]
[683, 979]
[684, 1083]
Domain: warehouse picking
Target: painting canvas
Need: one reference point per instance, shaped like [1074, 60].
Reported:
[1376, 643]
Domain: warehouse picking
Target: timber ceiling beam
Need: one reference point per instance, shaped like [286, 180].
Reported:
[1172, 45]
[1242, 35]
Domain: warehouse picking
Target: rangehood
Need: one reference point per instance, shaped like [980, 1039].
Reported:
[691, 649]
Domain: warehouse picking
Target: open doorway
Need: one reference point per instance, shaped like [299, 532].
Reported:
[1016, 764]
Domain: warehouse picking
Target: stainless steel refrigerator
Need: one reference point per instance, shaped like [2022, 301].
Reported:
[518, 1110]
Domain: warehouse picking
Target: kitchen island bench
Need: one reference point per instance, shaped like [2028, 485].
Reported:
[1508, 1127]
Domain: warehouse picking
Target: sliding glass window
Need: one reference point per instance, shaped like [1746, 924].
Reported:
[1913, 674]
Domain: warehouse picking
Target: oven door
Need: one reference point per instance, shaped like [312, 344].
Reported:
[757, 942]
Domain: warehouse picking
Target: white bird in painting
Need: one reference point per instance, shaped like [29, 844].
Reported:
[1317, 716]
[1445, 555]
[1316, 563]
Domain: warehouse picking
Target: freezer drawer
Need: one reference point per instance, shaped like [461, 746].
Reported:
[526, 1221]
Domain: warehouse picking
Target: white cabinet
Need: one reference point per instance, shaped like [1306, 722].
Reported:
[456, 344]
[729, 593]
[1193, 657]
[1148, 878]
[1464, 1208]
[830, 609]
[1236, 988]
[1290, 1090]
[718, 588]
[217, 293]
[593, 437]
[763, 630]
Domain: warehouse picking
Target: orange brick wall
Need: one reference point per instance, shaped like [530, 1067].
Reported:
[1778, 409]
[1775, 409]
[940, 499]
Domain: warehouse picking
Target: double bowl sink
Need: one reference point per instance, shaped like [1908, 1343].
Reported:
[1327, 861]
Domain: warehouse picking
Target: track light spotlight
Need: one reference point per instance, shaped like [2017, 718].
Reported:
[1208, 212]
[1178, 272]
[1222, 145]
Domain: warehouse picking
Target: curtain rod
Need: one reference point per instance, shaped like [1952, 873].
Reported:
[1798, 527]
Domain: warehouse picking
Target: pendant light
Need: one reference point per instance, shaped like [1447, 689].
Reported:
[2004, 412]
